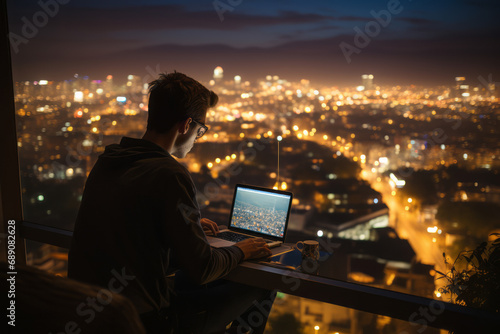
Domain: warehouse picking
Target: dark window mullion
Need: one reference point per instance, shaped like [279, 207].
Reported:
[10, 184]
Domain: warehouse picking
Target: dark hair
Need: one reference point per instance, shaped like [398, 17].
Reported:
[174, 97]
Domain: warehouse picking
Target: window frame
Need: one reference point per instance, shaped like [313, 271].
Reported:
[10, 182]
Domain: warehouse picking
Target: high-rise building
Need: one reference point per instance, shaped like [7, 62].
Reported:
[218, 73]
[108, 87]
[367, 81]
[134, 83]
[461, 88]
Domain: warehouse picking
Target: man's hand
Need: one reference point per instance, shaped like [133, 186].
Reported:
[254, 248]
[209, 227]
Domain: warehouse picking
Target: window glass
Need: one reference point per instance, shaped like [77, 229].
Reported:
[381, 118]
[291, 314]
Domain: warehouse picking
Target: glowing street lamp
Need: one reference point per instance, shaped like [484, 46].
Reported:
[432, 229]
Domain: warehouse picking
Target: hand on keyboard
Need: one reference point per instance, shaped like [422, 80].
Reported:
[254, 248]
[209, 227]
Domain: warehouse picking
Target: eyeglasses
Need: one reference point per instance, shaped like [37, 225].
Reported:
[202, 130]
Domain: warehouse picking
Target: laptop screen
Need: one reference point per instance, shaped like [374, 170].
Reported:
[261, 210]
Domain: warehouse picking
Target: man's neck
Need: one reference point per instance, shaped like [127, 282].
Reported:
[164, 140]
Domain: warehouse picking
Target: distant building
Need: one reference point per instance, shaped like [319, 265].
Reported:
[218, 74]
[108, 86]
[476, 192]
[347, 208]
[134, 84]
[367, 81]
[461, 88]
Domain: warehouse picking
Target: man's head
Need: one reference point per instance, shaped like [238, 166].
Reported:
[178, 105]
[175, 97]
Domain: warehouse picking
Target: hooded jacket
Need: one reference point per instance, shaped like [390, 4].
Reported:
[138, 215]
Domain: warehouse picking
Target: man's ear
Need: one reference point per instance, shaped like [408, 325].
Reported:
[184, 126]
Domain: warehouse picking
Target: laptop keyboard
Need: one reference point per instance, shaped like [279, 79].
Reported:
[237, 237]
[230, 236]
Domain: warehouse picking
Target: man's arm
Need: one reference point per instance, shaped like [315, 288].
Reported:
[182, 232]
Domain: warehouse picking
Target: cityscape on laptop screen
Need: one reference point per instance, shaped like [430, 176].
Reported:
[260, 211]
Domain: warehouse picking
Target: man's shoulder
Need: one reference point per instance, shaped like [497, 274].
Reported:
[168, 170]
[166, 165]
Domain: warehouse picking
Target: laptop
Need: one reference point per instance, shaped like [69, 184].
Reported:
[256, 212]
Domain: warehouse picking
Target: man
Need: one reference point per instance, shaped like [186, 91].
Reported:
[139, 221]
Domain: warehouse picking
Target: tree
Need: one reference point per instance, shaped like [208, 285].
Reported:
[477, 218]
[421, 186]
[474, 278]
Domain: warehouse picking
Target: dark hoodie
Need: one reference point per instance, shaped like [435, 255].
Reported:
[138, 212]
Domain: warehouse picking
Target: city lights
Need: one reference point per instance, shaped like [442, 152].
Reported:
[432, 229]
[78, 96]
[349, 152]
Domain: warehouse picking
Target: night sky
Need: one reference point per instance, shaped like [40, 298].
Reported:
[425, 42]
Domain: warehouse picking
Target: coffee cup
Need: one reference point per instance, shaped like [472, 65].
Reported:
[309, 249]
